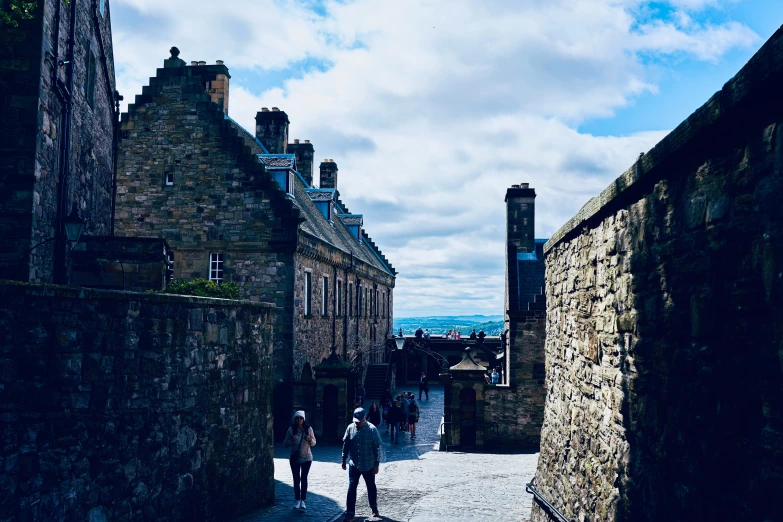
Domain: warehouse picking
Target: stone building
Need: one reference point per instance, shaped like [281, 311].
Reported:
[665, 324]
[482, 415]
[236, 206]
[58, 113]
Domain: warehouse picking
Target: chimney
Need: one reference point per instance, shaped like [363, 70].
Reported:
[328, 170]
[304, 158]
[215, 78]
[272, 129]
[520, 217]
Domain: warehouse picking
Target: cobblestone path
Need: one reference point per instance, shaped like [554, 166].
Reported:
[416, 483]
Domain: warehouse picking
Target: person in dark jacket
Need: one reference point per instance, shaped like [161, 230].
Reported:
[394, 418]
[386, 400]
[374, 415]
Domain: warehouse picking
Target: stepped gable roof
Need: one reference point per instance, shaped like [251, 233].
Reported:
[332, 232]
[256, 147]
[191, 84]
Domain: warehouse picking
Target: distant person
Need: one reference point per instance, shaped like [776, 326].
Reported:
[448, 335]
[374, 415]
[459, 335]
[419, 333]
[423, 386]
[300, 438]
[481, 336]
[386, 400]
[362, 453]
[426, 333]
[405, 402]
[473, 335]
[400, 334]
[360, 394]
[413, 417]
[495, 376]
[394, 419]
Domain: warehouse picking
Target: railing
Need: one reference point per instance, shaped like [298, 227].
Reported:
[488, 429]
[545, 504]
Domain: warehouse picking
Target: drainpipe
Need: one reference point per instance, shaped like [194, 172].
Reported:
[334, 308]
[65, 92]
[349, 306]
[115, 97]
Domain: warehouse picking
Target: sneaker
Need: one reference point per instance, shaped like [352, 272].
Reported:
[298, 504]
[303, 505]
[376, 515]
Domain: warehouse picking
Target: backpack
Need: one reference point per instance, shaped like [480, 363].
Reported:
[412, 408]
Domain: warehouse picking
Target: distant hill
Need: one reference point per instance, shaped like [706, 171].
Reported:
[440, 324]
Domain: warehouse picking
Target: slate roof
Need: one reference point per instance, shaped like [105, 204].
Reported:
[278, 161]
[334, 233]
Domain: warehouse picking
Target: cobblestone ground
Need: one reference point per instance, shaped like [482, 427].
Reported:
[416, 483]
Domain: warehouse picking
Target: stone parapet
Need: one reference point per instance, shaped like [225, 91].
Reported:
[121, 405]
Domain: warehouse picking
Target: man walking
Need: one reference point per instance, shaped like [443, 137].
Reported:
[424, 385]
[362, 452]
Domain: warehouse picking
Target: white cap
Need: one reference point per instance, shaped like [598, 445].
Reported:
[299, 413]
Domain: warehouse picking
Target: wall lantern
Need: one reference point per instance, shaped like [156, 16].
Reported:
[400, 342]
[74, 225]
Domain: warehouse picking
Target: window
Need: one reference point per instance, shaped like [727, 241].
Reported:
[339, 311]
[350, 299]
[308, 294]
[365, 300]
[376, 301]
[169, 177]
[325, 297]
[89, 85]
[358, 300]
[216, 267]
[169, 264]
[102, 5]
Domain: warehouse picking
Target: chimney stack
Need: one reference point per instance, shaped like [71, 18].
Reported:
[328, 170]
[272, 129]
[520, 217]
[304, 158]
[215, 79]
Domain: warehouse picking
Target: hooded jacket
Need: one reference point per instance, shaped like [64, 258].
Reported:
[300, 448]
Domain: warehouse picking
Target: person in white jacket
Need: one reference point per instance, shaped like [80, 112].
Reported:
[300, 438]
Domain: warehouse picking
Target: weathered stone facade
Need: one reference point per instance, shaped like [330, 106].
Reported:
[665, 324]
[191, 175]
[128, 406]
[42, 122]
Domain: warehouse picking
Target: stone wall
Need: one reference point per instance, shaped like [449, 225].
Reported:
[125, 406]
[518, 407]
[34, 126]
[664, 366]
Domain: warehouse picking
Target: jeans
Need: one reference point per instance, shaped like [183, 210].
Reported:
[300, 471]
[395, 430]
[353, 483]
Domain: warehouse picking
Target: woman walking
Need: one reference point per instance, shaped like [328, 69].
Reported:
[300, 438]
[374, 415]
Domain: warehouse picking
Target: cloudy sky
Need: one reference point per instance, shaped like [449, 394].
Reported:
[432, 108]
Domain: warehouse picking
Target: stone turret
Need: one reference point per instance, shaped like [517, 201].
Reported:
[272, 130]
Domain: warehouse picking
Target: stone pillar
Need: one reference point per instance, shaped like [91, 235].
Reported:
[464, 404]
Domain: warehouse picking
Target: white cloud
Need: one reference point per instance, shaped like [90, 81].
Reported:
[432, 108]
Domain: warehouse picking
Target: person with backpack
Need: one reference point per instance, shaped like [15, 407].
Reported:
[300, 438]
[413, 417]
[423, 385]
